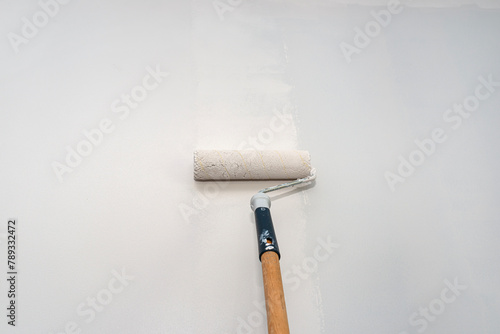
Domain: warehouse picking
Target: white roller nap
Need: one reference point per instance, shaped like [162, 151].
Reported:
[251, 165]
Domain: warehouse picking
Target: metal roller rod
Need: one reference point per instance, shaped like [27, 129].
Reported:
[304, 181]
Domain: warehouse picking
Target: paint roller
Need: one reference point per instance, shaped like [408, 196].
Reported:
[211, 165]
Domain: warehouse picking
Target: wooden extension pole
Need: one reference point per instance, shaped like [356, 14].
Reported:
[277, 321]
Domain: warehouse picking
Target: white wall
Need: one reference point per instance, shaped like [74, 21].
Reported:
[358, 255]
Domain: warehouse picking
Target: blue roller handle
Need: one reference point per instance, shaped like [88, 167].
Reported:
[266, 237]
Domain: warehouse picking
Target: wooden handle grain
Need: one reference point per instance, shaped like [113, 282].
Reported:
[277, 321]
